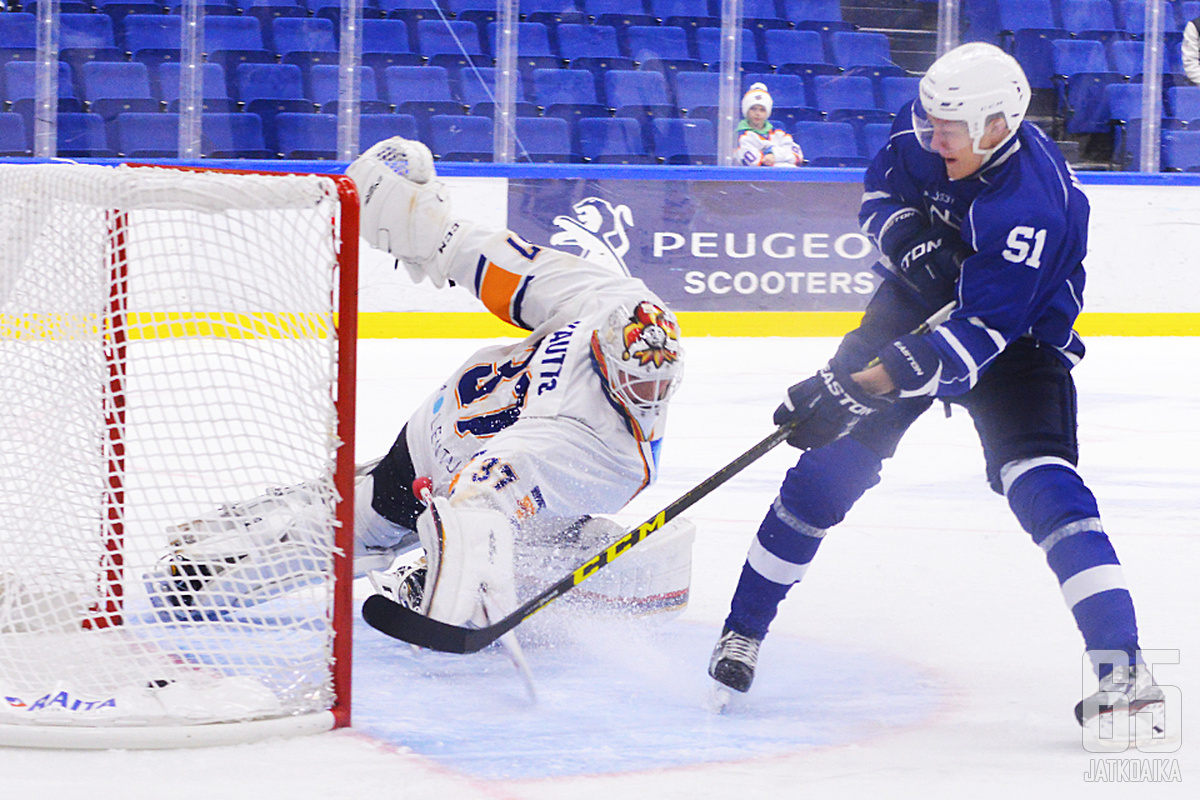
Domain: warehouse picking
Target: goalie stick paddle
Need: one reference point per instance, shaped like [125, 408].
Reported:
[402, 623]
[399, 622]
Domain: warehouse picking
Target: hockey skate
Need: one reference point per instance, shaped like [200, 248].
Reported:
[732, 667]
[404, 582]
[245, 553]
[1134, 688]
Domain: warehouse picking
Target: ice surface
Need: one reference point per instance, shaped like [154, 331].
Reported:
[928, 652]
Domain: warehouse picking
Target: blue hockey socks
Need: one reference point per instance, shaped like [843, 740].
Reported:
[1052, 503]
[815, 496]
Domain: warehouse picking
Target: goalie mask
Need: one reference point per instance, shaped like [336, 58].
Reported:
[637, 352]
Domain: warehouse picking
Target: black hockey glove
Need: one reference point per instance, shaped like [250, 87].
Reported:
[826, 407]
[931, 264]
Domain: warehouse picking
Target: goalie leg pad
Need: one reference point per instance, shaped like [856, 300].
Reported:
[469, 553]
[377, 540]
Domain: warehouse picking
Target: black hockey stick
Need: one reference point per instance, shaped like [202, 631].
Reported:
[399, 622]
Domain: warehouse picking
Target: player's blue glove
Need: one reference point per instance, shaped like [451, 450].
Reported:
[826, 407]
[926, 259]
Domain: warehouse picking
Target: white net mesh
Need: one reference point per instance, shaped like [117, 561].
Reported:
[167, 346]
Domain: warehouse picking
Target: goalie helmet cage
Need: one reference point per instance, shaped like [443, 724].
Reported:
[172, 340]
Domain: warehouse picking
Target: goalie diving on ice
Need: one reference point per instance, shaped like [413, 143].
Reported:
[520, 448]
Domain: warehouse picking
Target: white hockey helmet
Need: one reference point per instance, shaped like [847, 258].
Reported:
[972, 83]
[637, 352]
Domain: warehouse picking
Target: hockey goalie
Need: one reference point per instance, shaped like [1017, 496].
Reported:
[514, 456]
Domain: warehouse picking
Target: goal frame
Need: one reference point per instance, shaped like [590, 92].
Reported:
[108, 611]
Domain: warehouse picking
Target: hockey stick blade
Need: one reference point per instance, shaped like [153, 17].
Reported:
[403, 623]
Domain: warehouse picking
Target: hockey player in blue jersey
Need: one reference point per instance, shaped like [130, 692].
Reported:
[969, 205]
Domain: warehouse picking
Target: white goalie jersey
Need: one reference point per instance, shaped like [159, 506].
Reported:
[527, 428]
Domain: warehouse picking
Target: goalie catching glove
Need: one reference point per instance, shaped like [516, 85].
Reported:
[405, 211]
[826, 407]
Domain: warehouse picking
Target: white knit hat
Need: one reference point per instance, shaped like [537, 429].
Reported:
[757, 95]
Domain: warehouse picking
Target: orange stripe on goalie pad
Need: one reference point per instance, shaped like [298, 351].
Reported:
[497, 290]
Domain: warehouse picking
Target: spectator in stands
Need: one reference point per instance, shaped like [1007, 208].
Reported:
[761, 144]
[1191, 50]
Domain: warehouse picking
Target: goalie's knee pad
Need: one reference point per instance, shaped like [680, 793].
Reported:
[470, 561]
[377, 540]
[404, 211]
[827, 482]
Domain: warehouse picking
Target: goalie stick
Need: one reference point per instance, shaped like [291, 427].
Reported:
[399, 622]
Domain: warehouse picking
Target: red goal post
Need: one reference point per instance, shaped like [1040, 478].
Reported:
[172, 341]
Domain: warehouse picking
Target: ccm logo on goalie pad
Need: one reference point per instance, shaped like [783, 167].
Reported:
[619, 547]
[853, 406]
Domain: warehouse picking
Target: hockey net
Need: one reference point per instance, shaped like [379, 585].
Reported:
[171, 341]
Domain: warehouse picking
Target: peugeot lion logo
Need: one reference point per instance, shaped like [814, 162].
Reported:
[598, 230]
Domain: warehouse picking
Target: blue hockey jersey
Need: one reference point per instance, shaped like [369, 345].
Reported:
[1025, 216]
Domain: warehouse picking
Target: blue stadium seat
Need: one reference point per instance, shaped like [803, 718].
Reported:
[812, 10]
[115, 87]
[708, 46]
[595, 8]
[1034, 50]
[895, 91]
[696, 89]
[233, 33]
[609, 140]
[1182, 103]
[841, 92]
[233, 135]
[1124, 101]
[374, 128]
[214, 93]
[151, 32]
[18, 29]
[860, 49]
[685, 141]
[85, 30]
[827, 143]
[664, 9]
[82, 135]
[787, 91]
[1081, 72]
[453, 37]
[269, 81]
[875, 137]
[635, 88]
[456, 137]
[1089, 18]
[479, 86]
[307, 136]
[324, 87]
[1014, 15]
[304, 34]
[587, 41]
[564, 87]
[1125, 56]
[656, 43]
[544, 139]
[760, 9]
[794, 47]
[384, 36]
[404, 84]
[533, 38]
[1181, 150]
[140, 135]
[1131, 18]
[14, 139]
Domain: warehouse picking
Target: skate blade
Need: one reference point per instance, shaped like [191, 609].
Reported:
[1148, 731]
[720, 698]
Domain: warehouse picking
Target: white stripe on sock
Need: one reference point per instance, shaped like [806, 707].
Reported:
[1091, 582]
[772, 567]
